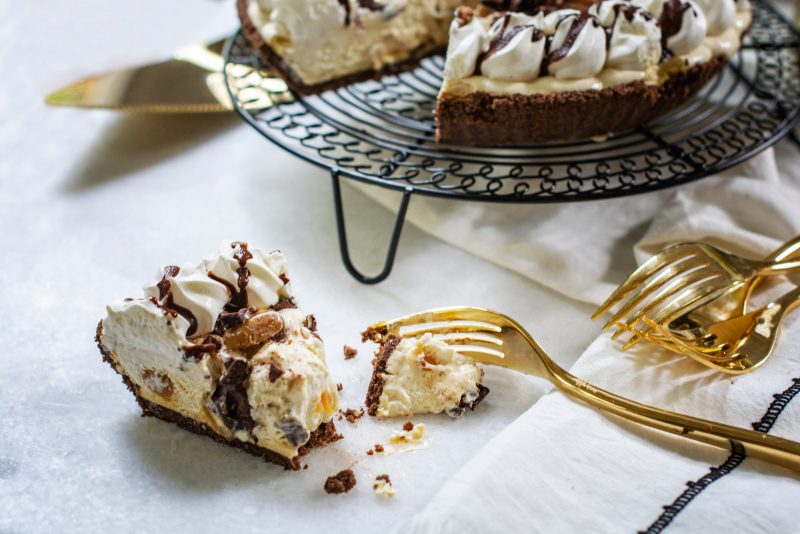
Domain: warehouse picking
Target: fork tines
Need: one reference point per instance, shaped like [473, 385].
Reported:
[679, 278]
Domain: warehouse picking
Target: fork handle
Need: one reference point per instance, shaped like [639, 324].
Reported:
[779, 262]
[772, 449]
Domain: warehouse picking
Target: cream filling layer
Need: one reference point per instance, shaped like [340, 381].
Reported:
[723, 45]
[147, 346]
[426, 375]
[318, 46]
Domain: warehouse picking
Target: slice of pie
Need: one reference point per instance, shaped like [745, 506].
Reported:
[523, 78]
[221, 348]
[421, 375]
[318, 45]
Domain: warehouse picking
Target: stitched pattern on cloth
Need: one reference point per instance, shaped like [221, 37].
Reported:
[737, 456]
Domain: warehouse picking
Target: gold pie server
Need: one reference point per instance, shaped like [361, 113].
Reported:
[191, 81]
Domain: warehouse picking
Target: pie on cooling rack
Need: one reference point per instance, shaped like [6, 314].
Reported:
[517, 72]
[220, 348]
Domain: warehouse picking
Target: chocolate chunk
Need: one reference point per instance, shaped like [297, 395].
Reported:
[275, 371]
[230, 396]
[228, 320]
[283, 304]
[310, 322]
[469, 400]
[341, 482]
[294, 431]
[196, 351]
[349, 352]
[339, 386]
[408, 426]
[378, 447]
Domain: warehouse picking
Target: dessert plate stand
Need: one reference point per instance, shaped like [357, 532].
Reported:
[382, 132]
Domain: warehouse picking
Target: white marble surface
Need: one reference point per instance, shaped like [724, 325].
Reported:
[93, 202]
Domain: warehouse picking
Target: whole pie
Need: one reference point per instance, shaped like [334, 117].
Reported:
[517, 72]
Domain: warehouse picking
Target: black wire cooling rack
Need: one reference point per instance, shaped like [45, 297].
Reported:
[382, 132]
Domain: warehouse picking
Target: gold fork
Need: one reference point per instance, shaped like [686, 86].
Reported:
[494, 338]
[735, 346]
[685, 277]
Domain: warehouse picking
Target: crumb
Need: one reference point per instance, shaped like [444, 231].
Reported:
[341, 482]
[305, 466]
[339, 386]
[351, 415]
[275, 371]
[339, 418]
[383, 487]
[370, 452]
[408, 426]
[378, 447]
[349, 352]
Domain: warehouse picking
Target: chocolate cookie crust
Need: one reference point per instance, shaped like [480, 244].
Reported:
[325, 433]
[375, 389]
[516, 120]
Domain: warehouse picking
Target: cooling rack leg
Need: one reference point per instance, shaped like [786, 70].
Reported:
[393, 242]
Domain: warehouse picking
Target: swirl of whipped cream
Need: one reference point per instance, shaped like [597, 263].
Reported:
[683, 23]
[189, 289]
[635, 36]
[263, 284]
[517, 48]
[720, 14]
[578, 49]
[468, 40]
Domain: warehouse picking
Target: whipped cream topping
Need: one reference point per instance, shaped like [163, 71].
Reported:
[188, 292]
[578, 48]
[614, 40]
[635, 35]
[516, 49]
[468, 40]
[683, 26]
[427, 375]
[197, 294]
[720, 14]
[207, 344]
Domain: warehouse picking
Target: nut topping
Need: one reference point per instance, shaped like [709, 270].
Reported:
[258, 329]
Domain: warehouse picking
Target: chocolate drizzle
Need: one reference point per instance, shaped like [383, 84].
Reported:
[524, 6]
[572, 35]
[166, 302]
[241, 255]
[371, 5]
[504, 38]
[671, 21]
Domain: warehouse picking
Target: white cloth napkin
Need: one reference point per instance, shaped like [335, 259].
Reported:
[585, 249]
[563, 466]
